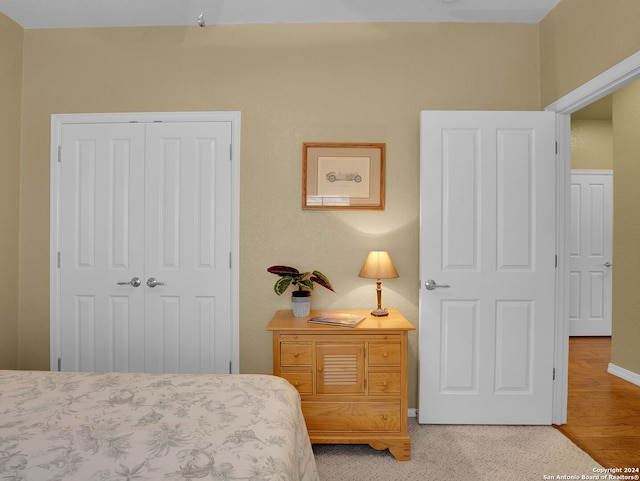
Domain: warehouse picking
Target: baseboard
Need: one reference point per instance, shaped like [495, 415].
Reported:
[622, 373]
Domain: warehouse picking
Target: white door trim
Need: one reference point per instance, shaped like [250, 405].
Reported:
[57, 121]
[607, 82]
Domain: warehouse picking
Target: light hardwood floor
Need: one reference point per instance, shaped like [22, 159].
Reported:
[603, 412]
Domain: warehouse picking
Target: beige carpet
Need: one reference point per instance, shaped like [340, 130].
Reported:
[465, 453]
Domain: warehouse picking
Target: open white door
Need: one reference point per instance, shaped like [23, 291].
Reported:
[487, 264]
[590, 277]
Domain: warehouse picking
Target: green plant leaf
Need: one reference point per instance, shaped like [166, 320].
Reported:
[305, 284]
[282, 284]
[319, 278]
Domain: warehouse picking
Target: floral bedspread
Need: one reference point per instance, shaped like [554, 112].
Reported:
[125, 426]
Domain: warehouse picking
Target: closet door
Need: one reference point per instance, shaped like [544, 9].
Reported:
[144, 235]
[187, 225]
[101, 258]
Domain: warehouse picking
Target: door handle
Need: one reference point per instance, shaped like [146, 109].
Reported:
[135, 282]
[153, 282]
[608, 264]
[431, 285]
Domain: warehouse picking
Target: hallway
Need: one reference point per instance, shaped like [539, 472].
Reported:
[603, 413]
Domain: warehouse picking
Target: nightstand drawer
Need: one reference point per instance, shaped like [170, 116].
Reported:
[302, 381]
[296, 354]
[352, 417]
[384, 383]
[384, 353]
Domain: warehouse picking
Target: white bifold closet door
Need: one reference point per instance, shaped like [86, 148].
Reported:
[144, 229]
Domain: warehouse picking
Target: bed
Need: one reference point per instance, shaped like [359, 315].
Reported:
[124, 426]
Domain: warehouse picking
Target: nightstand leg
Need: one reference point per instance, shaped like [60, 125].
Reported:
[400, 449]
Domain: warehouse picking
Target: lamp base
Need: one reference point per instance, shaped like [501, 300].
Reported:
[379, 312]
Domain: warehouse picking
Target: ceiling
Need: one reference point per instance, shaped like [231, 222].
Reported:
[135, 13]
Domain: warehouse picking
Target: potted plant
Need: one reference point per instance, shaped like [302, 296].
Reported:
[305, 283]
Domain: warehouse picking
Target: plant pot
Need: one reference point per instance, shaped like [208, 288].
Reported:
[301, 301]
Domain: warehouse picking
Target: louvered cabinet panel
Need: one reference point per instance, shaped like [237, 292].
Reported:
[340, 368]
[352, 381]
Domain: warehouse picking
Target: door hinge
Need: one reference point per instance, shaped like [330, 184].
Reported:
[556, 147]
[554, 373]
[59, 364]
[230, 265]
[59, 153]
[229, 367]
[230, 152]
[58, 259]
[556, 261]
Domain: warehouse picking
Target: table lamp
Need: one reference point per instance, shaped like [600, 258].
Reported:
[378, 266]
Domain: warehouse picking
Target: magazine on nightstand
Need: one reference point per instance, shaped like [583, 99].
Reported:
[337, 319]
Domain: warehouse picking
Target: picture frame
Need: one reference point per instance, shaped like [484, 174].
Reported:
[343, 175]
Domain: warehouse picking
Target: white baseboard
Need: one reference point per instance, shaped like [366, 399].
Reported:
[622, 373]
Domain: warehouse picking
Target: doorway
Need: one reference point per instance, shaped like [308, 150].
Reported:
[604, 84]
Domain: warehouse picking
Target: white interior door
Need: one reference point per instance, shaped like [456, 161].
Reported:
[101, 234]
[591, 252]
[144, 229]
[487, 264]
[188, 198]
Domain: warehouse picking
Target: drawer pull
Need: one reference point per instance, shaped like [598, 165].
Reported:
[385, 354]
[384, 383]
[296, 354]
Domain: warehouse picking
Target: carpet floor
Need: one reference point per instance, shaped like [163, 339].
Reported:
[465, 453]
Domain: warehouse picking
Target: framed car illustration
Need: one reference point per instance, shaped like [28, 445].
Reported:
[339, 175]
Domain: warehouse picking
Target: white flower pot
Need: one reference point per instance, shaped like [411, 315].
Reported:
[301, 305]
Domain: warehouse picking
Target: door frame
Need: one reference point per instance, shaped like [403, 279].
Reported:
[600, 86]
[57, 122]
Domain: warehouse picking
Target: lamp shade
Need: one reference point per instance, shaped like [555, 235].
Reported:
[378, 265]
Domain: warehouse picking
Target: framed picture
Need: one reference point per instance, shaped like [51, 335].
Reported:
[343, 175]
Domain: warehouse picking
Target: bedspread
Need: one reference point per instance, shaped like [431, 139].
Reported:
[125, 426]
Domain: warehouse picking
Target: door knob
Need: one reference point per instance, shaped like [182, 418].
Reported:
[608, 264]
[135, 282]
[153, 282]
[431, 285]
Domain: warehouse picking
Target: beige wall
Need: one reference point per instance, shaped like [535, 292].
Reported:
[591, 144]
[296, 83]
[580, 39]
[364, 82]
[626, 228]
[10, 102]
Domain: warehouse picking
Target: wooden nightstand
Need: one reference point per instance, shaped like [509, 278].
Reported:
[352, 380]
